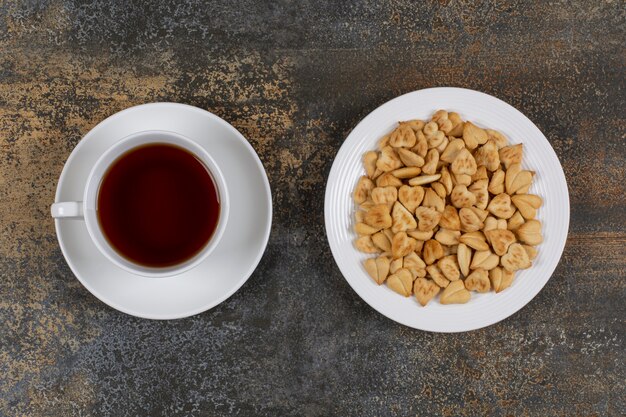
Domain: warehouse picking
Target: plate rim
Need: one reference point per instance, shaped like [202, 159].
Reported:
[255, 262]
[335, 167]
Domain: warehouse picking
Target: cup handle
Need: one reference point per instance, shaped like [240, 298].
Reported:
[67, 210]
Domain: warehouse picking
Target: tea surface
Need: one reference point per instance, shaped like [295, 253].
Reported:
[158, 205]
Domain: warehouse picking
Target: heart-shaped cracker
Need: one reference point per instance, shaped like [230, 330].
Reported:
[462, 197]
[496, 183]
[442, 146]
[470, 222]
[446, 180]
[364, 229]
[511, 155]
[455, 293]
[439, 189]
[430, 128]
[406, 172]
[385, 195]
[478, 281]
[395, 265]
[517, 180]
[435, 273]
[409, 158]
[402, 245]
[402, 219]
[464, 163]
[482, 214]
[500, 205]
[527, 204]
[463, 257]
[412, 261]
[430, 162]
[432, 251]
[484, 259]
[488, 156]
[378, 216]
[362, 190]
[401, 282]
[480, 174]
[530, 232]
[378, 268]
[419, 235]
[402, 137]
[369, 161]
[421, 145]
[411, 197]
[491, 223]
[473, 135]
[427, 217]
[500, 140]
[479, 189]
[388, 160]
[457, 124]
[425, 290]
[448, 237]
[388, 179]
[501, 279]
[432, 199]
[461, 179]
[381, 240]
[449, 267]
[450, 219]
[515, 221]
[365, 244]
[531, 251]
[475, 240]
[424, 179]
[500, 240]
[516, 258]
[436, 140]
[450, 153]
[416, 124]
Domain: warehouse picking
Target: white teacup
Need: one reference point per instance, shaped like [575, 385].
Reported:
[86, 209]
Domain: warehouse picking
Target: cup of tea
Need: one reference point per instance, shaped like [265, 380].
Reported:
[155, 204]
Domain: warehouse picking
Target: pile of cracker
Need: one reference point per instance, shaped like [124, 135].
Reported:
[445, 207]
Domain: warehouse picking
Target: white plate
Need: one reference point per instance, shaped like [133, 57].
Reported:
[549, 182]
[229, 265]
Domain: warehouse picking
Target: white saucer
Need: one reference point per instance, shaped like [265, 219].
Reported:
[549, 182]
[229, 265]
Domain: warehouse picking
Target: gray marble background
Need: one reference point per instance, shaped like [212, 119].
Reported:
[294, 78]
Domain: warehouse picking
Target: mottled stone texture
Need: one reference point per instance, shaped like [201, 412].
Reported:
[294, 78]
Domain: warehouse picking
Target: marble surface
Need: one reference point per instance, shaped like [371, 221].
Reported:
[294, 78]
